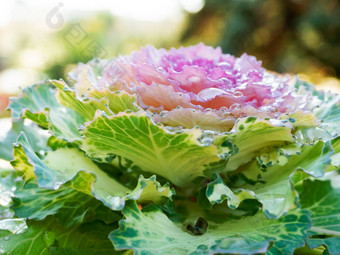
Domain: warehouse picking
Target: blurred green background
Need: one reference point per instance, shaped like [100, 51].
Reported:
[45, 39]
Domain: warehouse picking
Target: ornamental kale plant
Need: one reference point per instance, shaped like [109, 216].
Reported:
[185, 151]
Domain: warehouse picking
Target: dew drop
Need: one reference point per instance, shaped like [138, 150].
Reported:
[238, 94]
[49, 238]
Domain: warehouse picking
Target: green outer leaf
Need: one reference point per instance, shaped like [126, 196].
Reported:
[86, 109]
[12, 225]
[66, 164]
[332, 244]
[56, 143]
[149, 190]
[217, 191]
[88, 75]
[30, 242]
[328, 107]
[272, 186]
[176, 156]
[119, 101]
[20, 162]
[323, 202]
[72, 207]
[104, 100]
[44, 237]
[36, 136]
[39, 104]
[335, 158]
[7, 187]
[250, 135]
[312, 135]
[151, 232]
[278, 194]
[329, 113]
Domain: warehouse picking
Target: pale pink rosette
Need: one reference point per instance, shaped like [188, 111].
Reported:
[201, 86]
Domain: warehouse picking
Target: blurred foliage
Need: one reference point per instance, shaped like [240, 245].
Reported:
[288, 36]
[76, 51]
[295, 36]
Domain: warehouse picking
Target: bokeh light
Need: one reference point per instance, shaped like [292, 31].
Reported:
[299, 37]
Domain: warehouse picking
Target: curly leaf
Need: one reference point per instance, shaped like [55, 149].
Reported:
[273, 185]
[39, 104]
[323, 202]
[70, 206]
[177, 156]
[66, 164]
[151, 232]
[36, 136]
[7, 187]
[327, 110]
[249, 135]
[50, 237]
[118, 101]
[97, 99]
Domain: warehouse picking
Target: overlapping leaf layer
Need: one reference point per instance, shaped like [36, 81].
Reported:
[98, 173]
